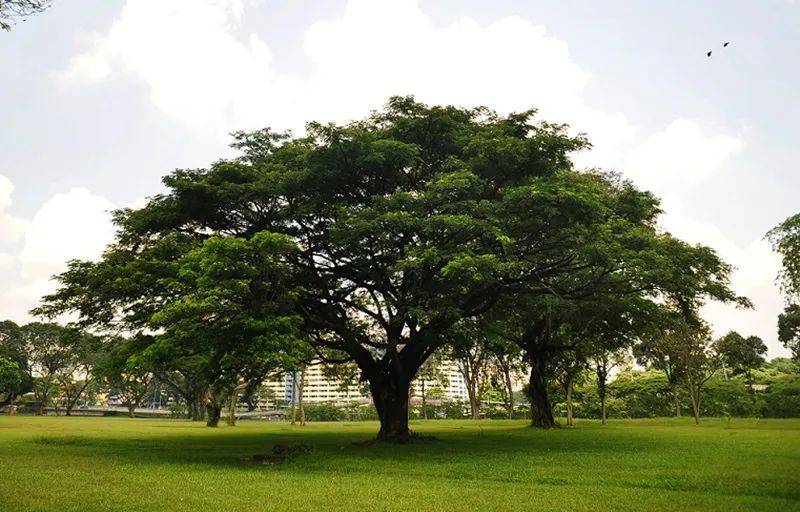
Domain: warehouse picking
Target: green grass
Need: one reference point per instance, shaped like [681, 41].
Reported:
[94, 464]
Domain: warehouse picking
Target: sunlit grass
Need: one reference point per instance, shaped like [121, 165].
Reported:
[94, 464]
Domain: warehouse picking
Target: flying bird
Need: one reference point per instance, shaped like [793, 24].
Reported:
[725, 45]
[708, 54]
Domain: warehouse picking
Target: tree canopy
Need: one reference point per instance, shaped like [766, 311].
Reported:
[375, 238]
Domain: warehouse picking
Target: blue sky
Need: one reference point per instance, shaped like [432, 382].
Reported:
[100, 102]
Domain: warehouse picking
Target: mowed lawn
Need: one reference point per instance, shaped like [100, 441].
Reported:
[93, 464]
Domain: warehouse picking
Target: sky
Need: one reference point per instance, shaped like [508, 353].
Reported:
[98, 103]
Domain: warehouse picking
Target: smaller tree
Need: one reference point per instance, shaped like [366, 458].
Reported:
[430, 377]
[571, 363]
[77, 374]
[125, 374]
[698, 360]
[506, 366]
[789, 329]
[470, 351]
[603, 363]
[10, 379]
[741, 355]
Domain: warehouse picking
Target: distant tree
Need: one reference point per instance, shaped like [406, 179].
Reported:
[430, 378]
[123, 374]
[660, 349]
[789, 329]
[470, 349]
[12, 348]
[698, 361]
[12, 10]
[78, 373]
[741, 355]
[785, 239]
[571, 365]
[603, 362]
[49, 354]
[10, 379]
[506, 366]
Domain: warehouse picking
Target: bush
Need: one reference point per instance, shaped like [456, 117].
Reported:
[782, 398]
[324, 411]
[178, 411]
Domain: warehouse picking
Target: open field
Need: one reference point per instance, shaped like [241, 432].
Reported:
[93, 464]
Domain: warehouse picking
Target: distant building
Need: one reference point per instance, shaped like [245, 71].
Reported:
[319, 388]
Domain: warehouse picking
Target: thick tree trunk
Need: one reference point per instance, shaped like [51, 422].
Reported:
[214, 411]
[197, 409]
[474, 409]
[131, 410]
[541, 409]
[391, 402]
[40, 409]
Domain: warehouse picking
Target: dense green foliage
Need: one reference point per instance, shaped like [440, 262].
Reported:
[116, 465]
[785, 240]
[647, 394]
[369, 244]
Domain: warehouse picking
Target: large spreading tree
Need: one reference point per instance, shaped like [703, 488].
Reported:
[394, 229]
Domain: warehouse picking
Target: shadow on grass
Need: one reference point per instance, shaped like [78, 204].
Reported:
[659, 459]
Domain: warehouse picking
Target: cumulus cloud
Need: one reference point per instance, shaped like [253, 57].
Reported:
[74, 224]
[755, 269]
[187, 54]
[11, 227]
[199, 70]
[681, 154]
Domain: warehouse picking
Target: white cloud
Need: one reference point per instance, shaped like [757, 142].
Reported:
[11, 228]
[681, 154]
[74, 224]
[755, 269]
[197, 69]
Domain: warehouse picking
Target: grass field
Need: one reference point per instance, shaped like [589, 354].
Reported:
[93, 464]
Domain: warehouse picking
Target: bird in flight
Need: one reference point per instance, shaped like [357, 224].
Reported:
[725, 45]
[708, 54]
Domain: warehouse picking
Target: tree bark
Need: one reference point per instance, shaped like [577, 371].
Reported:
[473, 401]
[568, 393]
[695, 395]
[541, 409]
[391, 401]
[301, 404]
[214, 411]
[131, 410]
[601, 370]
[232, 408]
[294, 398]
[510, 392]
[424, 405]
